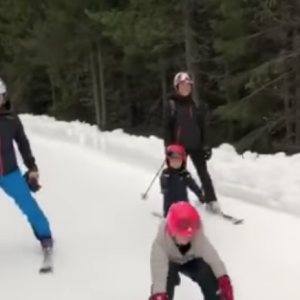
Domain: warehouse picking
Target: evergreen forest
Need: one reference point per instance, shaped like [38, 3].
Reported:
[112, 63]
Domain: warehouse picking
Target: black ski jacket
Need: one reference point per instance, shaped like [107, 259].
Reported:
[174, 185]
[11, 129]
[183, 124]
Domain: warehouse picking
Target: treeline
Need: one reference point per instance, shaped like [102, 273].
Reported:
[112, 62]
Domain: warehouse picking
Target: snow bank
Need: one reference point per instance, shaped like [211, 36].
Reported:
[269, 180]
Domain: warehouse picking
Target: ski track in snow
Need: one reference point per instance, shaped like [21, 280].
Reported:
[103, 233]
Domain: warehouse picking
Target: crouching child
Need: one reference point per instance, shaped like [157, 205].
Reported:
[181, 246]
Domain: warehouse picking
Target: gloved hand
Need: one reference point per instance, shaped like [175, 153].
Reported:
[159, 296]
[33, 175]
[32, 179]
[207, 152]
[214, 207]
[225, 287]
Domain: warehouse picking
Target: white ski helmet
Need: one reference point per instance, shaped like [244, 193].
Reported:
[2, 87]
[182, 77]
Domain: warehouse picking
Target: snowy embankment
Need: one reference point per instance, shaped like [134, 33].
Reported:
[269, 180]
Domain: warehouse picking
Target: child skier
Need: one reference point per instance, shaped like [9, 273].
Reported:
[175, 180]
[12, 182]
[181, 246]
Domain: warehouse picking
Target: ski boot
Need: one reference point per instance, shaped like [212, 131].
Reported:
[47, 250]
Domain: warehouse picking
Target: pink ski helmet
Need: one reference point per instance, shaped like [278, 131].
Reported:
[183, 220]
[176, 151]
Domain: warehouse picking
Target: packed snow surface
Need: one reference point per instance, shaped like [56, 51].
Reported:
[91, 192]
[268, 180]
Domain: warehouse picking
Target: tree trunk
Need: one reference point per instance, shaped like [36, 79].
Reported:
[190, 47]
[52, 87]
[94, 76]
[297, 94]
[102, 86]
[287, 112]
[229, 100]
[163, 80]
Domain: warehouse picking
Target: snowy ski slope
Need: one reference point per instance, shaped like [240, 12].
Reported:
[91, 192]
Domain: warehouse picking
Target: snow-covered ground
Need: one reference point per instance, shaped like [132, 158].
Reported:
[268, 180]
[104, 231]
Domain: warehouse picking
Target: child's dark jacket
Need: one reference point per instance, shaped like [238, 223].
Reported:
[174, 186]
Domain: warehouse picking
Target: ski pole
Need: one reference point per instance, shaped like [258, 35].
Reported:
[144, 196]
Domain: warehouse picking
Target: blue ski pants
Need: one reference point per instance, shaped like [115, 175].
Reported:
[15, 186]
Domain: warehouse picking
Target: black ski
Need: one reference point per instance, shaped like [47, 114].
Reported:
[47, 263]
[232, 219]
[157, 214]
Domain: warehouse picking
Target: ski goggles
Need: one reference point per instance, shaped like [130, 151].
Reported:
[174, 154]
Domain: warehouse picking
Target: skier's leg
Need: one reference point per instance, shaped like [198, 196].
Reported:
[16, 187]
[199, 162]
[201, 273]
[173, 279]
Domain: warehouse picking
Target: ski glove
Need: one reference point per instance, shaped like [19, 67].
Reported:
[32, 183]
[225, 287]
[159, 296]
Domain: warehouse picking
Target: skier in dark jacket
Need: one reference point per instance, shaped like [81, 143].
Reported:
[175, 180]
[12, 182]
[184, 125]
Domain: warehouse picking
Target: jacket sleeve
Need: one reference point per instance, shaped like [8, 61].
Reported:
[168, 130]
[202, 125]
[194, 187]
[159, 262]
[163, 180]
[209, 254]
[24, 146]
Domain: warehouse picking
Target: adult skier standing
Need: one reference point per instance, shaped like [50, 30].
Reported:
[11, 180]
[181, 246]
[184, 125]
